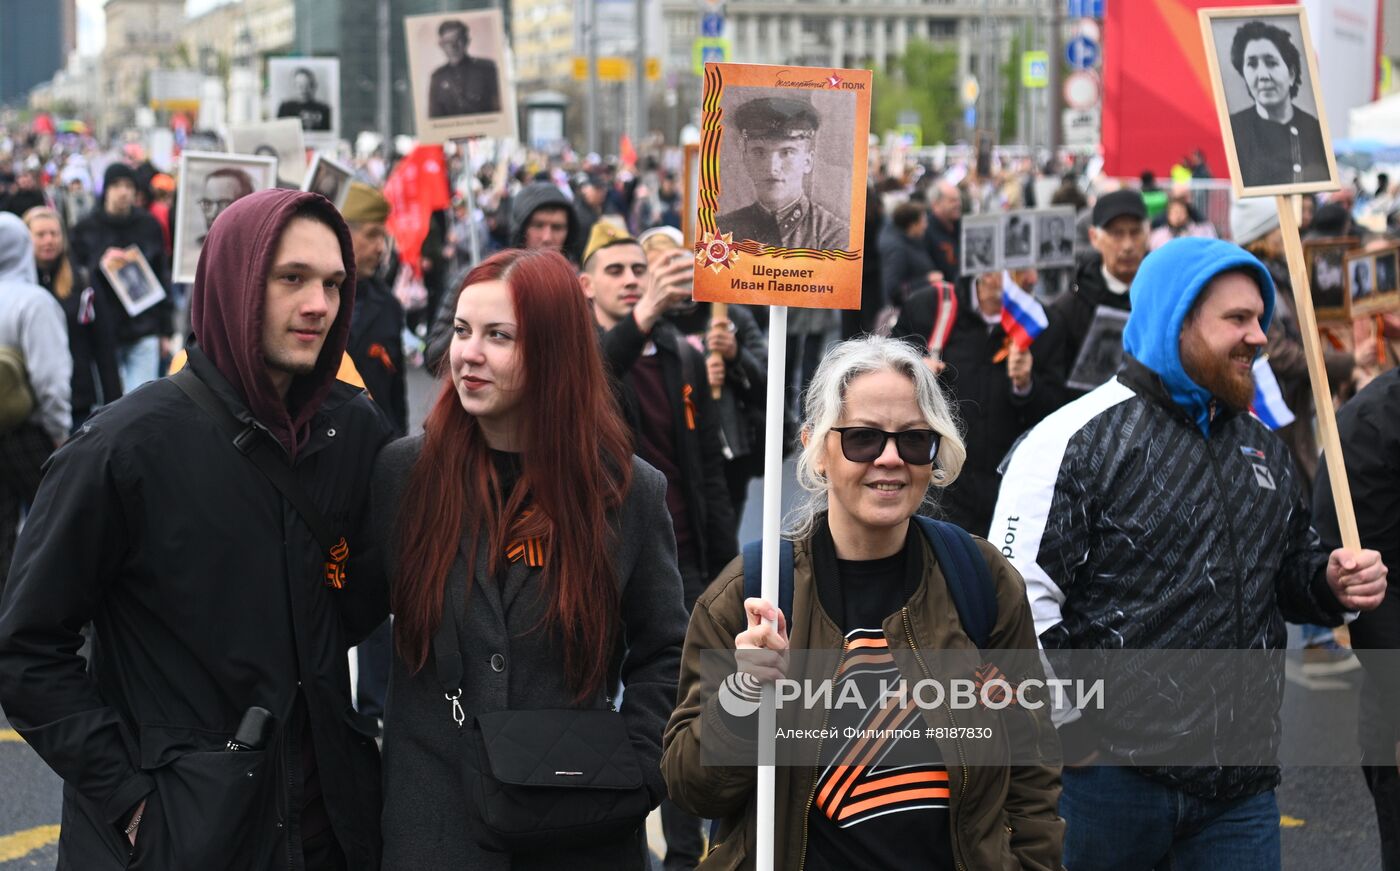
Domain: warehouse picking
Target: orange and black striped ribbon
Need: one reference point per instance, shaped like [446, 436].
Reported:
[529, 549]
[689, 407]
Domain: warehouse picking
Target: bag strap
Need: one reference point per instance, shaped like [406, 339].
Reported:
[968, 577]
[447, 654]
[261, 453]
[753, 575]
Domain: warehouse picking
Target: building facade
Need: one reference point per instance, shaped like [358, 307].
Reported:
[32, 45]
[142, 35]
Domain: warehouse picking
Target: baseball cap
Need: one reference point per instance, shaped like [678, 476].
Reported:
[1116, 204]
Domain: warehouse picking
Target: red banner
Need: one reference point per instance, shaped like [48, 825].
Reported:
[416, 188]
[1157, 105]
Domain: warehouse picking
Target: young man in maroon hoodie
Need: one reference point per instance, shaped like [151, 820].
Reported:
[208, 525]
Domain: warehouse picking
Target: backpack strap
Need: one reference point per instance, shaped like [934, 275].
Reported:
[968, 577]
[753, 575]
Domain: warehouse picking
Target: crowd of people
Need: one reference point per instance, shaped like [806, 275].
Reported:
[204, 504]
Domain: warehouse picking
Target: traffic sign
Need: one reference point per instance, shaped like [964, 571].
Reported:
[581, 69]
[709, 50]
[1081, 128]
[1086, 8]
[1088, 27]
[1082, 53]
[614, 69]
[1035, 69]
[712, 25]
[970, 117]
[653, 69]
[969, 91]
[1082, 90]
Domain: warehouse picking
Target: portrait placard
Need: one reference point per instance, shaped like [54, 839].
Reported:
[329, 179]
[308, 89]
[210, 183]
[459, 75]
[781, 217]
[1373, 283]
[1102, 351]
[1269, 100]
[133, 280]
[1326, 264]
[1055, 235]
[1018, 242]
[981, 244]
[281, 139]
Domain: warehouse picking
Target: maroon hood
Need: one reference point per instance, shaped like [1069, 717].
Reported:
[226, 308]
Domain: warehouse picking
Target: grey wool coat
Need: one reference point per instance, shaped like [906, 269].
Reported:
[509, 664]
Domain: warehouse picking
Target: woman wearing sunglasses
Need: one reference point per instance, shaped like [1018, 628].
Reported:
[879, 441]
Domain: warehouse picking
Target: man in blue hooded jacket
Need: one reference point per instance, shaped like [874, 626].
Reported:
[1156, 514]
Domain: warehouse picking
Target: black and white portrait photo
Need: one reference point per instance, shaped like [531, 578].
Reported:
[282, 139]
[1268, 97]
[307, 89]
[1360, 282]
[1054, 237]
[1375, 281]
[981, 244]
[771, 188]
[329, 179]
[1018, 248]
[459, 75]
[133, 280]
[1102, 351]
[1326, 262]
[210, 183]
[1385, 272]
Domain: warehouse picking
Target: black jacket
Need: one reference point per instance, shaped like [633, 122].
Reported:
[1136, 533]
[700, 452]
[205, 589]
[1371, 449]
[530, 199]
[1070, 316]
[993, 416]
[99, 231]
[376, 347]
[944, 247]
[741, 403]
[904, 265]
[93, 343]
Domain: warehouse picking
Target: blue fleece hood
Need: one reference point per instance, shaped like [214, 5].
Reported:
[1165, 288]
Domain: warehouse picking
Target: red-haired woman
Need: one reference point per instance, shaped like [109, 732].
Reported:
[531, 569]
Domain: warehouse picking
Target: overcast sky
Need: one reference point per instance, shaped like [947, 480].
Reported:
[91, 33]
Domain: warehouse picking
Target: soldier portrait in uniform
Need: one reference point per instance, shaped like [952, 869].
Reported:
[282, 139]
[1267, 97]
[465, 85]
[329, 179]
[981, 244]
[307, 89]
[1055, 230]
[1326, 265]
[1018, 248]
[460, 83]
[770, 193]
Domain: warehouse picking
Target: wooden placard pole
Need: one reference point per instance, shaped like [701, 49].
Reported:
[1317, 371]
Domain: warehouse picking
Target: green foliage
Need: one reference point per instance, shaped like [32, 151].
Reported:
[923, 81]
[1011, 88]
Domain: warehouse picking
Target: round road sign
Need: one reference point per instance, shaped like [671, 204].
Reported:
[1081, 90]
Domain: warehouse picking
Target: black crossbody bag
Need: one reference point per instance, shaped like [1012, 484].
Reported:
[551, 779]
[263, 454]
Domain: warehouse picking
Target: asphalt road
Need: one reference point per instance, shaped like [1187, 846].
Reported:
[1327, 820]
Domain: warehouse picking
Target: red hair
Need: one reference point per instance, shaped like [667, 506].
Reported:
[577, 463]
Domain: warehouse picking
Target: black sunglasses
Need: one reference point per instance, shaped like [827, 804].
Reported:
[864, 444]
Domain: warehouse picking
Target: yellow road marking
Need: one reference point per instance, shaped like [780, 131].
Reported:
[1287, 822]
[9, 735]
[21, 844]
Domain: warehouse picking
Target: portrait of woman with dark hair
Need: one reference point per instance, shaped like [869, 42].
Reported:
[1276, 142]
[529, 578]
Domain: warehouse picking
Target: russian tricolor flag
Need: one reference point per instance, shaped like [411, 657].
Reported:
[1021, 316]
[1268, 404]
